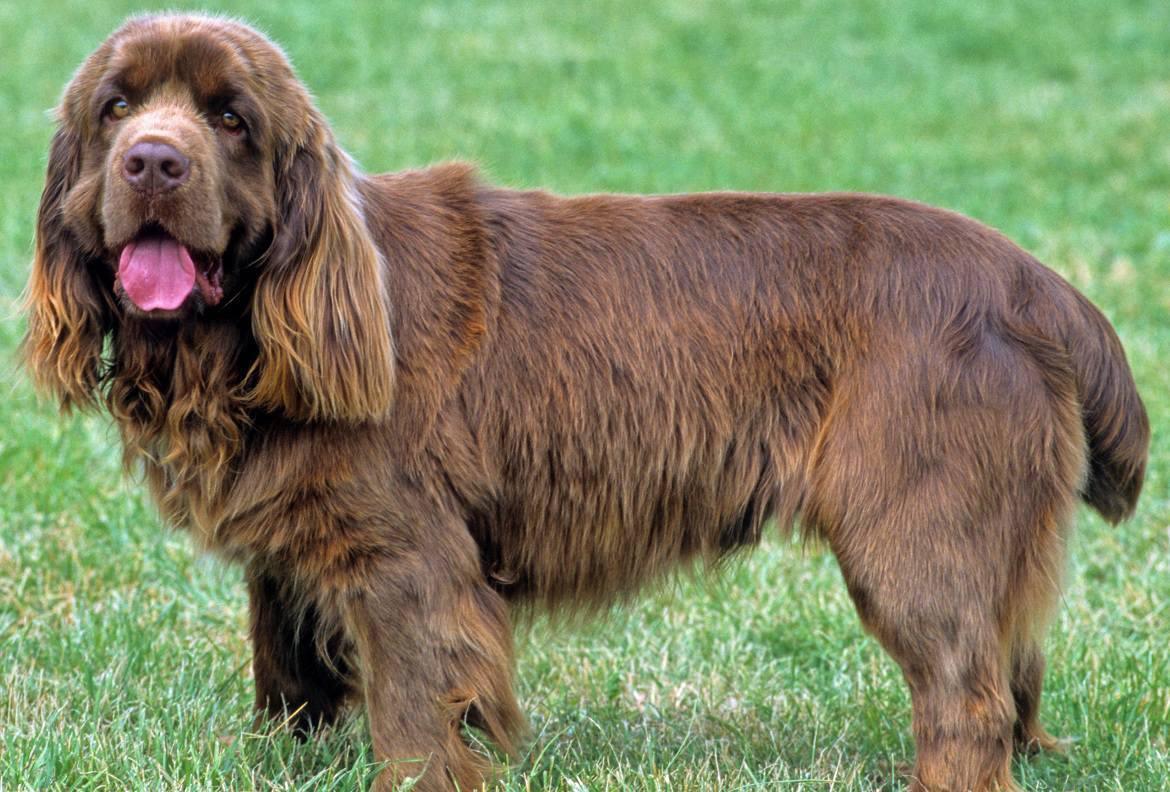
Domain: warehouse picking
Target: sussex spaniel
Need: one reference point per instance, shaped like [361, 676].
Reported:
[407, 401]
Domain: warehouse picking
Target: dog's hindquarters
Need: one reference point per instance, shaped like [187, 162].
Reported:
[944, 480]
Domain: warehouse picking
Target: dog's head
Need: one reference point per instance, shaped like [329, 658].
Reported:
[191, 177]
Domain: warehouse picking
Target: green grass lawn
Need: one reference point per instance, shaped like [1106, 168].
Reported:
[123, 655]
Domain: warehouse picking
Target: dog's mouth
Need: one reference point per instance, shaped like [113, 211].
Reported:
[158, 274]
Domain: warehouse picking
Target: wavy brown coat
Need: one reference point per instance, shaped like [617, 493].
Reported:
[422, 399]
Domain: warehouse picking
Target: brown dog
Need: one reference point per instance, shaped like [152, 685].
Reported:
[404, 401]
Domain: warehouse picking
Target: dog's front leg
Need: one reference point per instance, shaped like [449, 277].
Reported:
[435, 649]
[298, 664]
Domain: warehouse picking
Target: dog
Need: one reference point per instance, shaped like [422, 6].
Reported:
[407, 403]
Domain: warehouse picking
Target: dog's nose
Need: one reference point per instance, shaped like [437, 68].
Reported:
[155, 168]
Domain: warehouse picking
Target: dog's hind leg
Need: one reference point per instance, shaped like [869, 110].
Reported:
[937, 612]
[1027, 683]
[945, 503]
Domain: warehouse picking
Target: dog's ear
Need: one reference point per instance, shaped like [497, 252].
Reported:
[320, 312]
[68, 313]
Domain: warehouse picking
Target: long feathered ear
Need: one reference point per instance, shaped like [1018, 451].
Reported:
[68, 314]
[320, 313]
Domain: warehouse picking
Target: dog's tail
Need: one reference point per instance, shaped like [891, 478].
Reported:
[1116, 426]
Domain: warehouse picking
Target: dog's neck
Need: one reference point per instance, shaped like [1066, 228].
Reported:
[177, 394]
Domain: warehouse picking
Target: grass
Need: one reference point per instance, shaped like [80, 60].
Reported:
[123, 656]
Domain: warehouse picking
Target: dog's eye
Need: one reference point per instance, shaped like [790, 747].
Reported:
[118, 109]
[231, 122]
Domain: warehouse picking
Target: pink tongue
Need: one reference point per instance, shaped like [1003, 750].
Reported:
[156, 273]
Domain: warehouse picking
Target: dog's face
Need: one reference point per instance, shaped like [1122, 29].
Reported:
[179, 121]
[192, 177]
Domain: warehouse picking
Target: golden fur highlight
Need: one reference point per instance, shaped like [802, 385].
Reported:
[68, 314]
[322, 318]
